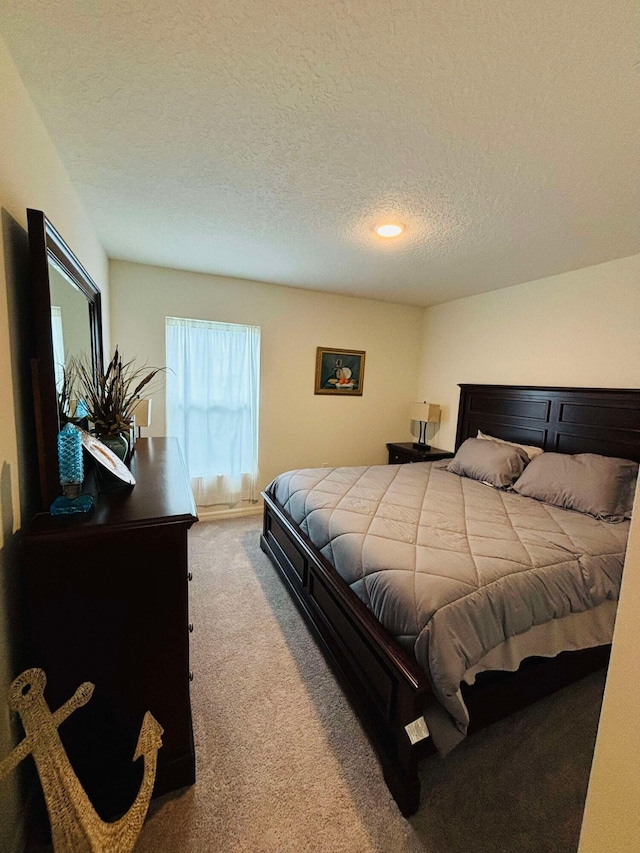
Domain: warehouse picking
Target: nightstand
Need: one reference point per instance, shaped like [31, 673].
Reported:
[406, 452]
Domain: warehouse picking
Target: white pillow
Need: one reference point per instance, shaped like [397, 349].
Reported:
[531, 452]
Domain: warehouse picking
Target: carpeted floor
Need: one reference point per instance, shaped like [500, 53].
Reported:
[282, 764]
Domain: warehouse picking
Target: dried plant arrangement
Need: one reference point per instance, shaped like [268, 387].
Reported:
[112, 395]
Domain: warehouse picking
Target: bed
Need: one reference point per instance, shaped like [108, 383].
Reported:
[398, 693]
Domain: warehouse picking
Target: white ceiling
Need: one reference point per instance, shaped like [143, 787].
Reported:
[264, 140]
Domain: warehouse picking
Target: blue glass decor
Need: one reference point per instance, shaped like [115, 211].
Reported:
[70, 457]
[82, 410]
[71, 474]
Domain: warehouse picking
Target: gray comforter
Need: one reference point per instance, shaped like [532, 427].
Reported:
[450, 566]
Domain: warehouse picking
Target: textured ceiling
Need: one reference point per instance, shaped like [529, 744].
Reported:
[264, 140]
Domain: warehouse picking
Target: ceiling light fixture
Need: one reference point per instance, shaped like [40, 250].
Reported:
[389, 230]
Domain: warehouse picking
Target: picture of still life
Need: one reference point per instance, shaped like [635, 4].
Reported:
[339, 371]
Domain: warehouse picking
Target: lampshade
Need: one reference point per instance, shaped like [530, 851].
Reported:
[428, 413]
[142, 413]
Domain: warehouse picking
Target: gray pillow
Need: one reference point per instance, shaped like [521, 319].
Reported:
[602, 486]
[492, 462]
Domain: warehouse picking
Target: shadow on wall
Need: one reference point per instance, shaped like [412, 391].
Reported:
[23, 348]
[14, 654]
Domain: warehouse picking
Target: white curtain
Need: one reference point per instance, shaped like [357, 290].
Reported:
[213, 386]
[58, 345]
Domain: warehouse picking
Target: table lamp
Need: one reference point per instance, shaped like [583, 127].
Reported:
[142, 414]
[425, 413]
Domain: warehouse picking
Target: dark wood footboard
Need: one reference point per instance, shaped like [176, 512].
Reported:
[384, 685]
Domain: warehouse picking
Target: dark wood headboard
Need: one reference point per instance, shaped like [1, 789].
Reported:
[564, 420]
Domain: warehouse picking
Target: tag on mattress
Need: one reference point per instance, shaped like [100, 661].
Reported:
[417, 730]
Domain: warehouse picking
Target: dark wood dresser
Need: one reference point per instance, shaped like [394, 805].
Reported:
[108, 603]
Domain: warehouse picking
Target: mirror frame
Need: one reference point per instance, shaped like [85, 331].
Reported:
[47, 246]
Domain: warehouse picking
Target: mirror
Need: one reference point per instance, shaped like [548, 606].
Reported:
[70, 322]
[67, 322]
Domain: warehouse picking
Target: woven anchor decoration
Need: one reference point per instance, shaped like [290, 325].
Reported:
[75, 825]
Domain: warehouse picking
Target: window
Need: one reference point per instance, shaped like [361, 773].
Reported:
[58, 345]
[213, 382]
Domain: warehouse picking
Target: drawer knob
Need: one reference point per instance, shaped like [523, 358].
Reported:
[189, 576]
[190, 675]
[191, 627]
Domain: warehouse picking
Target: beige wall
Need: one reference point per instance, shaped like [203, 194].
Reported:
[297, 428]
[31, 175]
[579, 328]
[612, 817]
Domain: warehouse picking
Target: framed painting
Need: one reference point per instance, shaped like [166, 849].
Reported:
[339, 371]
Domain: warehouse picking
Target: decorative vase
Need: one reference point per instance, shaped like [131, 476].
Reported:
[71, 468]
[70, 460]
[117, 443]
